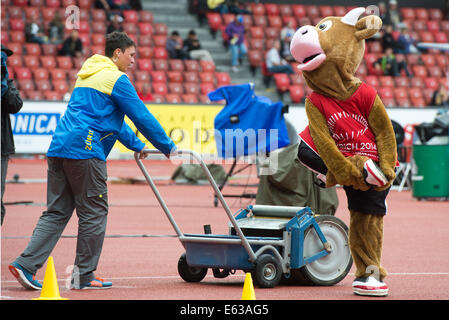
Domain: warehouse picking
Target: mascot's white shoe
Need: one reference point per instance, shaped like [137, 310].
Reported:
[373, 175]
[369, 286]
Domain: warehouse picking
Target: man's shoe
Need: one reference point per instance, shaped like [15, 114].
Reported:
[97, 283]
[373, 175]
[26, 279]
[369, 286]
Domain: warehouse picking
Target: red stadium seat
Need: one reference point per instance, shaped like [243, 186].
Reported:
[49, 49]
[146, 28]
[388, 102]
[160, 64]
[145, 52]
[435, 71]
[257, 9]
[400, 93]
[386, 81]
[192, 88]
[340, 11]
[31, 62]
[228, 18]
[207, 66]
[53, 95]
[189, 98]
[142, 75]
[431, 83]
[22, 73]
[255, 58]
[428, 59]
[175, 76]
[403, 102]
[174, 87]
[401, 82]
[207, 77]
[419, 25]
[421, 14]
[272, 33]
[285, 10]
[297, 79]
[192, 65]
[435, 14]
[145, 64]
[176, 65]
[417, 82]
[326, 11]
[271, 9]
[191, 77]
[313, 11]
[260, 21]
[292, 19]
[433, 26]
[52, 3]
[296, 93]
[419, 71]
[44, 85]
[172, 98]
[17, 36]
[60, 86]
[441, 60]
[299, 10]
[17, 25]
[373, 81]
[160, 88]
[214, 20]
[205, 88]
[34, 95]
[19, 3]
[130, 16]
[131, 28]
[256, 44]
[64, 62]
[98, 39]
[26, 85]
[145, 40]
[441, 37]
[98, 15]
[47, 13]
[159, 41]
[386, 92]
[146, 16]
[160, 29]
[374, 47]
[256, 32]
[15, 61]
[160, 53]
[17, 48]
[158, 76]
[428, 95]
[426, 36]
[40, 74]
[14, 12]
[282, 81]
[32, 12]
[222, 78]
[97, 50]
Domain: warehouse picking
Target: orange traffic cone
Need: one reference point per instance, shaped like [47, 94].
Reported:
[50, 288]
[248, 288]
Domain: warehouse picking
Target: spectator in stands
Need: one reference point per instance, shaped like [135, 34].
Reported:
[193, 48]
[389, 65]
[388, 40]
[33, 32]
[440, 97]
[56, 29]
[219, 6]
[119, 4]
[72, 46]
[406, 42]
[175, 46]
[115, 24]
[274, 62]
[145, 94]
[238, 7]
[287, 29]
[284, 50]
[235, 31]
[11, 103]
[135, 5]
[393, 16]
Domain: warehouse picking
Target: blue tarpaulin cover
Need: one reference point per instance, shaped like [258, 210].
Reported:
[247, 124]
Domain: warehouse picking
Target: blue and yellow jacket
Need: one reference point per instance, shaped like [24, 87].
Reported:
[94, 118]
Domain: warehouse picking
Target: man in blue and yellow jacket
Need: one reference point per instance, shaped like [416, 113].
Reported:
[77, 175]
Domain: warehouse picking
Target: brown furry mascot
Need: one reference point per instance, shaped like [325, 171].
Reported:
[350, 139]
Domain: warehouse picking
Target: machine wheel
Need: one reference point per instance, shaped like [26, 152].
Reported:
[188, 273]
[334, 267]
[268, 271]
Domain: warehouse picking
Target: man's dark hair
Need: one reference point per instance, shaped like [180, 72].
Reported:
[116, 40]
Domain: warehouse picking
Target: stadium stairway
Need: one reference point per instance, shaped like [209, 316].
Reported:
[175, 15]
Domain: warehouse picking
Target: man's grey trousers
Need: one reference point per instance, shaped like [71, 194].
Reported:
[71, 184]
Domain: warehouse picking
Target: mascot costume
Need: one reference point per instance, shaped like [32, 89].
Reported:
[349, 139]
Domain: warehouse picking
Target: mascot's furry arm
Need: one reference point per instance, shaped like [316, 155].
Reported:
[382, 128]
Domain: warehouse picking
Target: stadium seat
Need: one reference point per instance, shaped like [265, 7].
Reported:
[175, 76]
[5, 35]
[145, 52]
[146, 16]
[17, 48]
[272, 33]
[176, 65]
[256, 32]
[255, 57]
[158, 76]
[145, 41]
[222, 78]
[64, 62]
[207, 66]
[275, 22]
[374, 47]
[441, 60]
[257, 9]
[53, 95]
[97, 49]
[26, 85]
[131, 28]
[52, 3]
[227, 18]
[160, 64]
[31, 62]
[145, 64]
[340, 11]
[304, 21]
[407, 13]
[49, 49]
[421, 14]
[34, 3]
[292, 19]
[326, 11]
[47, 13]
[174, 87]
[401, 82]
[373, 81]
[428, 59]
[14, 12]
[17, 36]
[172, 98]
[297, 79]
[160, 53]
[282, 81]
[191, 88]
[160, 88]
[98, 15]
[260, 21]
[419, 25]
[192, 65]
[191, 77]
[386, 93]
[160, 29]
[313, 11]
[159, 41]
[205, 88]
[428, 95]
[296, 93]
[19, 3]
[44, 85]
[17, 25]
[431, 83]
[271, 9]
[441, 37]
[207, 77]
[299, 10]
[142, 75]
[60, 86]
[130, 16]
[98, 39]
[417, 82]
[433, 26]
[145, 28]
[419, 71]
[285, 10]
[22, 73]
[403, 102]
[34, 95]
[426, 36]
[256, 44]
[386, 81]
[15, 61]
[400, 93]
[214, 20]
[189, 98]
[435, 14]
[435, 71]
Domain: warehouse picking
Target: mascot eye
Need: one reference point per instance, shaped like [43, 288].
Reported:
[325, 25]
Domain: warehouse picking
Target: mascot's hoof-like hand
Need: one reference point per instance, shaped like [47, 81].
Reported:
[390, 175]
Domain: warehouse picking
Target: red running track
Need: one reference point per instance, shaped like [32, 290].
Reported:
[145, 268]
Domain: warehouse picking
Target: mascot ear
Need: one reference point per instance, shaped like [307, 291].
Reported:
[367, 27]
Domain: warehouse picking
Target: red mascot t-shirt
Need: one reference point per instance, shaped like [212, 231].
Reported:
[347, 122]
